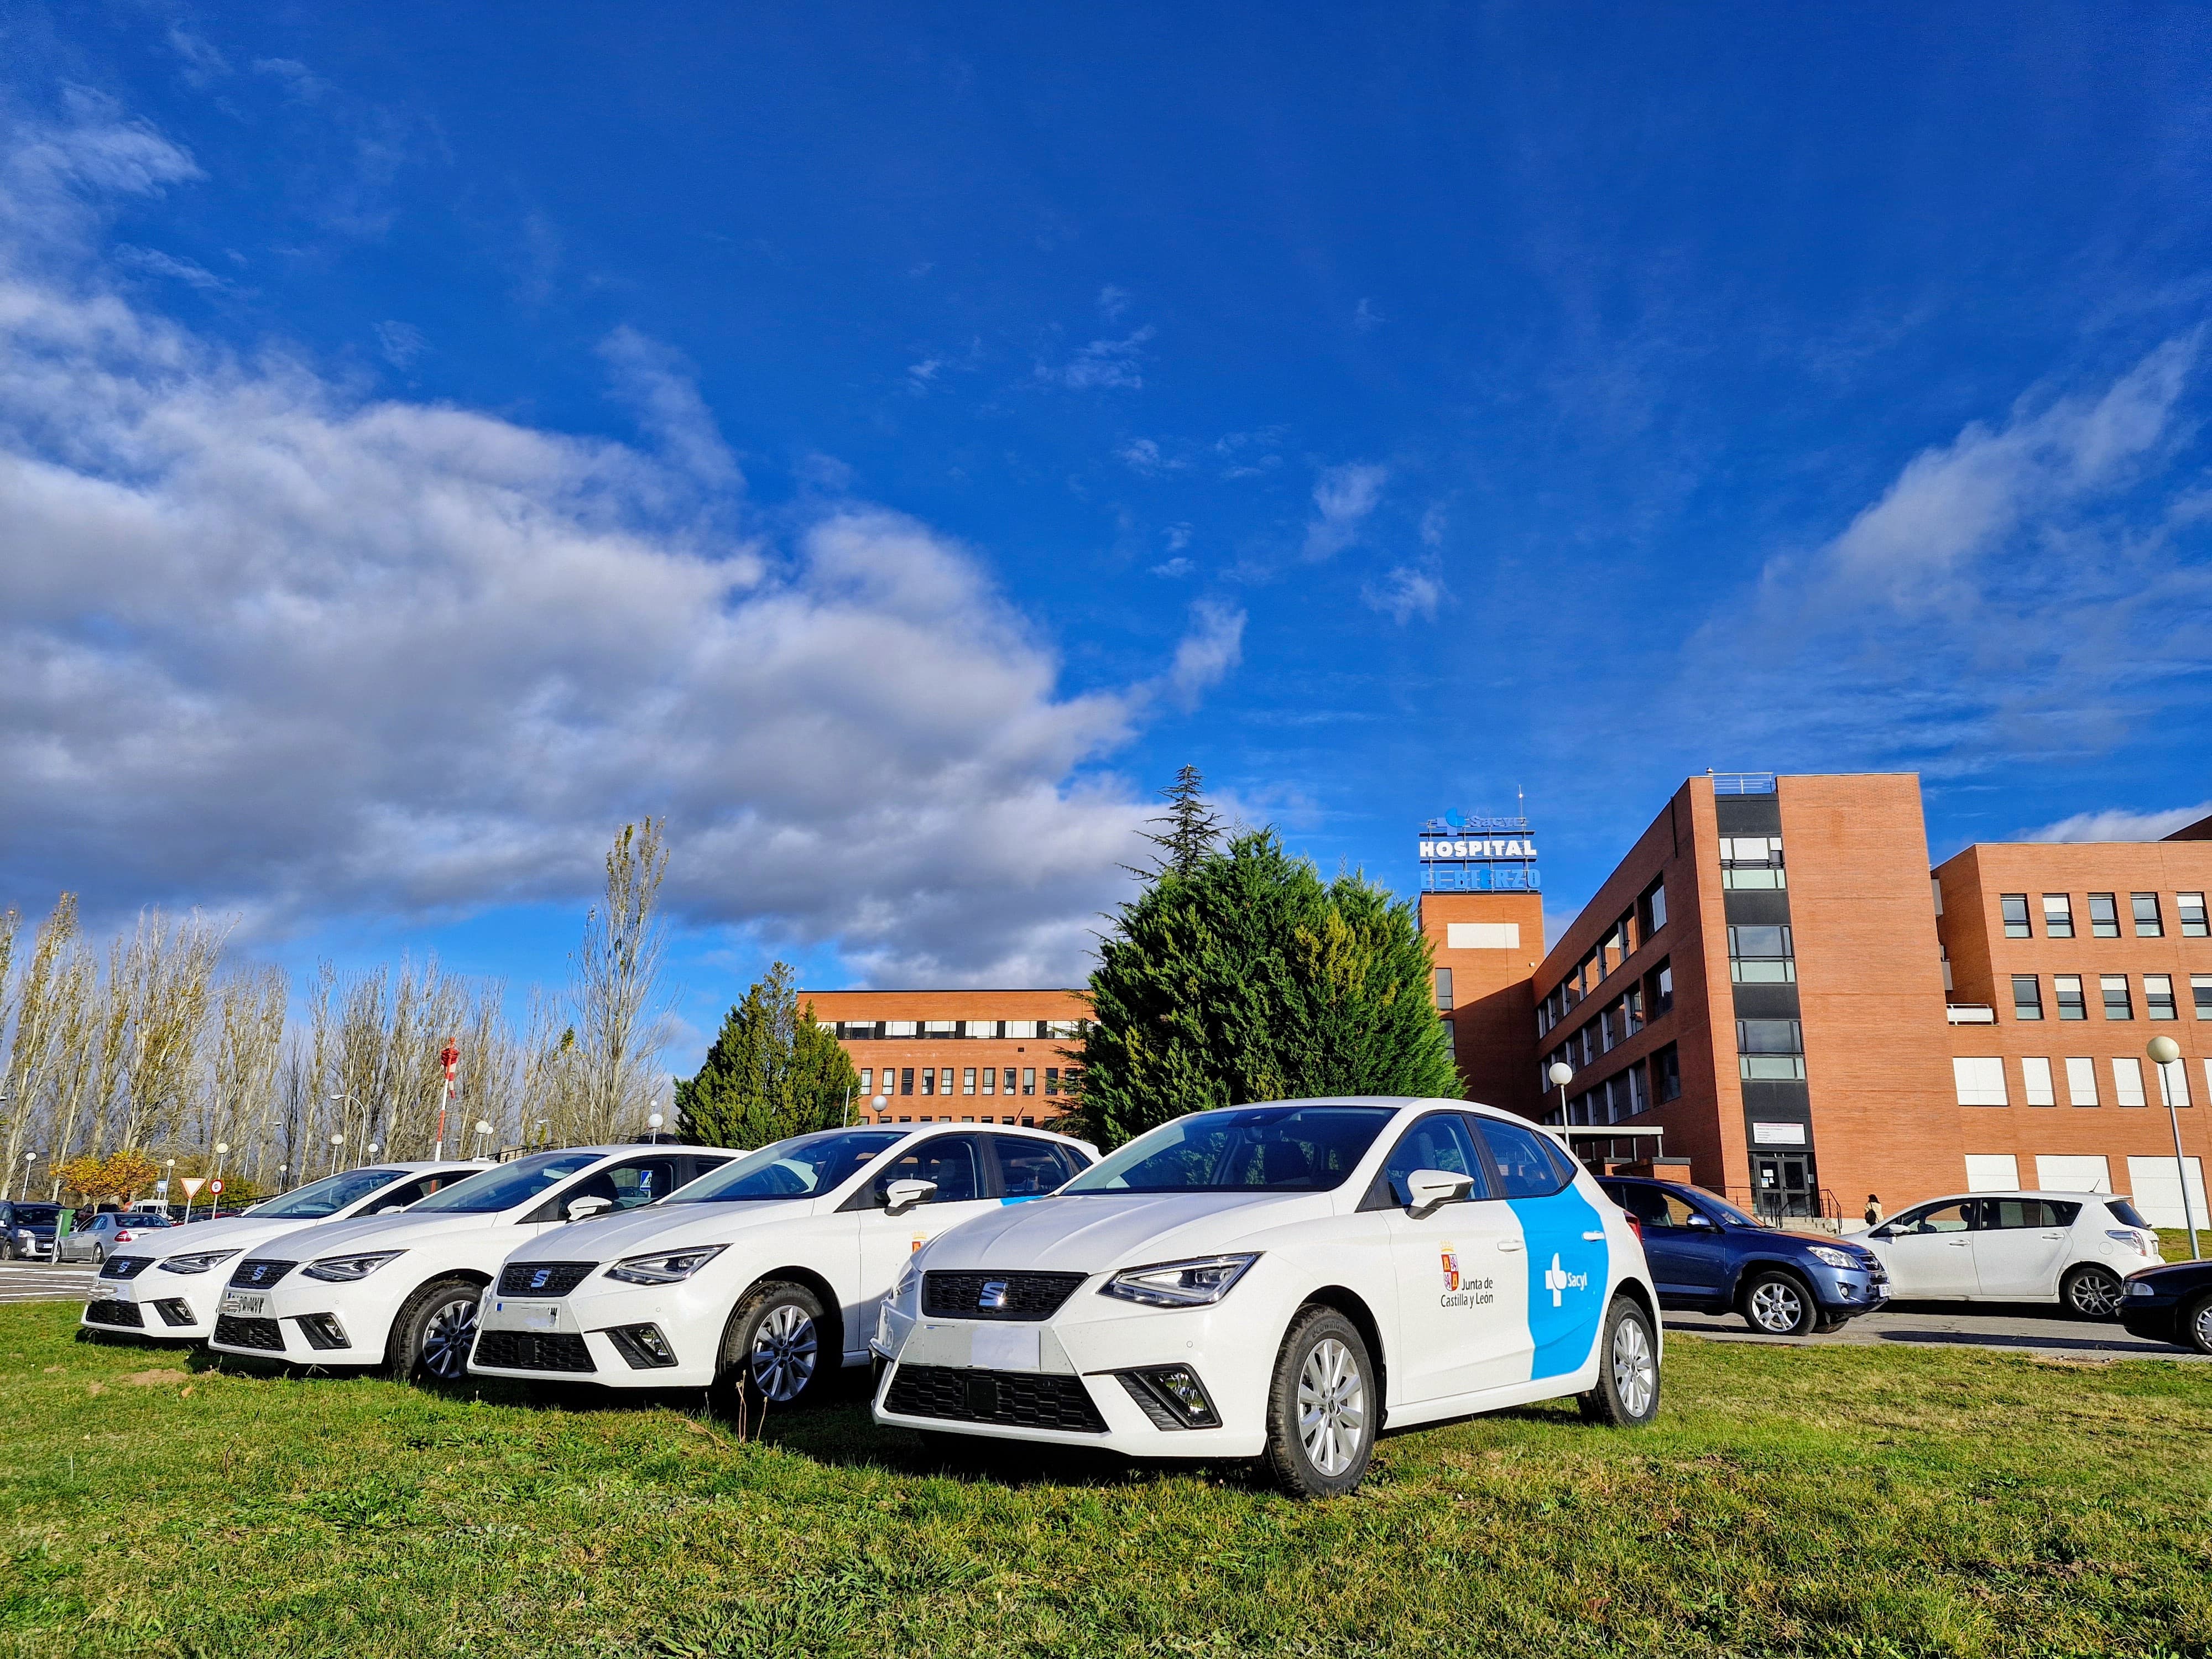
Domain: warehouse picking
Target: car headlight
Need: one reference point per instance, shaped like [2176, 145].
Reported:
[344, 1269]
[664, 1267]
[2142, 1289]
[199, 1262]
[1836, 1258]
[1192, 1283]
[909, 1275]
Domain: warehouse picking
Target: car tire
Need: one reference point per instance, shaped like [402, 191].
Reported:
[1779, 1304]
[2089, 1291]
[1627, 1392]
[7, 1250]
[99, 1255]
[435, 1332]
[1321, 1407]
[2193, 1329]
[1829, 1324]
[774, 1350]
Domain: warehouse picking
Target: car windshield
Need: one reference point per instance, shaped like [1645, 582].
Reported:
[509, 1185]
[325, 1197]
[38, 1215]
[1726, 1211]
[802, 1167]
[1266, 1149]
[2125, 1214]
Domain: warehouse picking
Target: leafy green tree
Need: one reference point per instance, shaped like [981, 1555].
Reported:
[1248, 978]
[771, 1073]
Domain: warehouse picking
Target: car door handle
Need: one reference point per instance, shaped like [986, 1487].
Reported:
[1599, 1235]
[1958, 1243]
[1509, 1243]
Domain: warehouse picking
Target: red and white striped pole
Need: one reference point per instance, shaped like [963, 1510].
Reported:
[452, 1056]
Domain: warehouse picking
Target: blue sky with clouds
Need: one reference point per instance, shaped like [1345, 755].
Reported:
[889, 444]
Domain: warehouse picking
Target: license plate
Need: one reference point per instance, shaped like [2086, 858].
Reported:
[245, 1302]
[529, 1316]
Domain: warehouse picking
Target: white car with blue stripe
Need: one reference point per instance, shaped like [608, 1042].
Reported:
[758, 1282]
[1281, 1281]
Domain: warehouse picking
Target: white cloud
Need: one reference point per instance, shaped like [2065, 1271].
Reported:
[401, 344]
[1112, 365]
[1144, 456]
[1114, 301]
[1406, 592]
[203, 64]
[2117, 824]
[155, 263]
[1344, 498]
[267, 645]
[1365, 316]
[1174, 568]
[302, 85]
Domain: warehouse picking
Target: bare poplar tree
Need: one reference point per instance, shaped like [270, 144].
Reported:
[40, 999]
[249, 1042]
[166, 980]
[617, 972]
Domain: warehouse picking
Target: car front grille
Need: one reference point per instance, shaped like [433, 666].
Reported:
[533, 1350]
[116, 1313]
[125, 1266]
[543, 1277]
[1014, 1400]
[1017, 1296]
[243, 1333]
[254, 1272]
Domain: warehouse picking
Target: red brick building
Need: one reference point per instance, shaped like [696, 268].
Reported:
[955, 1056]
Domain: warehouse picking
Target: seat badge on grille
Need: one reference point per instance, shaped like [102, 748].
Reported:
[993, 1295]
[537, 1279]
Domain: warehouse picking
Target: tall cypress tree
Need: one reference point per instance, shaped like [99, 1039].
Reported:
[1248, 978]
[771, 1073]
[1187, 833]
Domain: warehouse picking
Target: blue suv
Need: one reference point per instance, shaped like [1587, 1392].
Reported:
[1710, 1256]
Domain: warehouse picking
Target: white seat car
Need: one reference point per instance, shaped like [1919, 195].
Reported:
[2069, 1248]
[401, 1290]
[172, 1270]
[758, 1282]
[1281, 1281]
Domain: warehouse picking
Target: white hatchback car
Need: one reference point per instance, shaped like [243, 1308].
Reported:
[2069, 1248]
[401, 1290]
[171, 1270]
[1281, 1281]
[759, 1281]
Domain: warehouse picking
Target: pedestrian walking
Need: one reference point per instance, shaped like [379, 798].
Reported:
[1874, 1210]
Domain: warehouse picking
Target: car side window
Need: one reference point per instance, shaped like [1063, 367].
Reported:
[1029, 1167]
[1439, 1141]
[2006, 1212]
[1518, 1166]
[1937, 1219]
[413, 1191]
[626, 1186]
[953, 1162]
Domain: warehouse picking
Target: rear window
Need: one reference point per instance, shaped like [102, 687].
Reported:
[2125, 1214]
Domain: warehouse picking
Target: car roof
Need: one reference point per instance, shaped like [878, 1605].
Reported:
[2023, 1192]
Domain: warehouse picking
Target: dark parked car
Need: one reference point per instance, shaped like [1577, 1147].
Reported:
[2172, 1303]
[1709, 1256]
[27, 1231]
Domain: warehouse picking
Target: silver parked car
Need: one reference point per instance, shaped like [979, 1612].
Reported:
[97, 1240]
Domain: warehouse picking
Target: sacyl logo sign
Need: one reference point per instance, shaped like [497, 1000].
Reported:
[1557, 1280]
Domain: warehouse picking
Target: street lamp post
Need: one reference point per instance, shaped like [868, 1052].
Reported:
[652, 1129]
[337, 1141]
[29, 1158]
[482, 1129]
[2164, 1051]
[881, 1100]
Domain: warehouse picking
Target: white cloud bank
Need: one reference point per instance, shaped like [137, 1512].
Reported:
[2117, 823]
[266, 644]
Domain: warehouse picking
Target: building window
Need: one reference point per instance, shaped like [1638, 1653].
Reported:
[2191, 908]
[2118, 1005]
[1770, 1048]
[2147, 922]
[1608, 1029]
[2026, 997]
[990, 1079]
[906, 1080]
[2015, 915]
[2127, 1081]
[2200, 992]
[867, 1079]
[1632, 1009]
[1052, 1079]
[2081, 1081]
[1639, 1091]
[2158, 996]
[1444, 988]
[1979, 1081]
[1660, 986]
[1751, 861]
[2035, 1078]
[1760, 956]
[2058, 915]
[2104, 916]
[2173, 1083]
[2066, 988]
[929, 1079]
[898, 1028]
[1666, 1073]
[1006, 1081]
[968, 1080]
[1028, 1079]
[1653, 905]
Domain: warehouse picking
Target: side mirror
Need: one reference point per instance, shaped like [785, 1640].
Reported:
[1696, 1220]
[1883, 1232]
[902, 1195]
[1426, 1188]
[392, 1209]
[584, 1208]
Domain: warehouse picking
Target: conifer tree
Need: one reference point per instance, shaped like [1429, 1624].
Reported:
[771, 1073]
[1188, 830]
[1248, 978]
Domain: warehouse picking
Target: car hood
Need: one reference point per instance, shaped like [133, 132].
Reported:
[672, 1226]
[1101, 1232]
[1830, 1239]
[239, 1233]
[380, 1232]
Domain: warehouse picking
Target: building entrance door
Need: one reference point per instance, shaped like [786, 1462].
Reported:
[1782, 1186]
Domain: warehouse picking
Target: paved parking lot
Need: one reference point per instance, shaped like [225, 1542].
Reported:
[2023, 1329]
[42, 1281]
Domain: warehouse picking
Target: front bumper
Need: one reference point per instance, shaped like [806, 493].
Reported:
[1849, 1289]
[300, 1320]
[615, 1335]
[148, 1306]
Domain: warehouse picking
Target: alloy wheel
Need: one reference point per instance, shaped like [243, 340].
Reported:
[1635, 1372]
[2095, 1294]
[2200, 1327]
[447, 1338]
[785, 1351]
[1776, 1307]
[1332, 1406]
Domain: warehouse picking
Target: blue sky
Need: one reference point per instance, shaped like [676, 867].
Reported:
[891, 446]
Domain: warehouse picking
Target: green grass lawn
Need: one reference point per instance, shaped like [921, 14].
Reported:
[1834, 1500]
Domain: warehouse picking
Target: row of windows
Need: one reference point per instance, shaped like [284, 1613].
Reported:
[872, 1030]
[2113, 991]
[1627, 1014]
[938, 1080]
[1628, 935]
[1026, 1123]
[1981, 1081]
[1626, 1092]
[2143, 910]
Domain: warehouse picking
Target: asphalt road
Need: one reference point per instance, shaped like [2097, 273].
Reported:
[42, 1281]
[2021, 1328]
